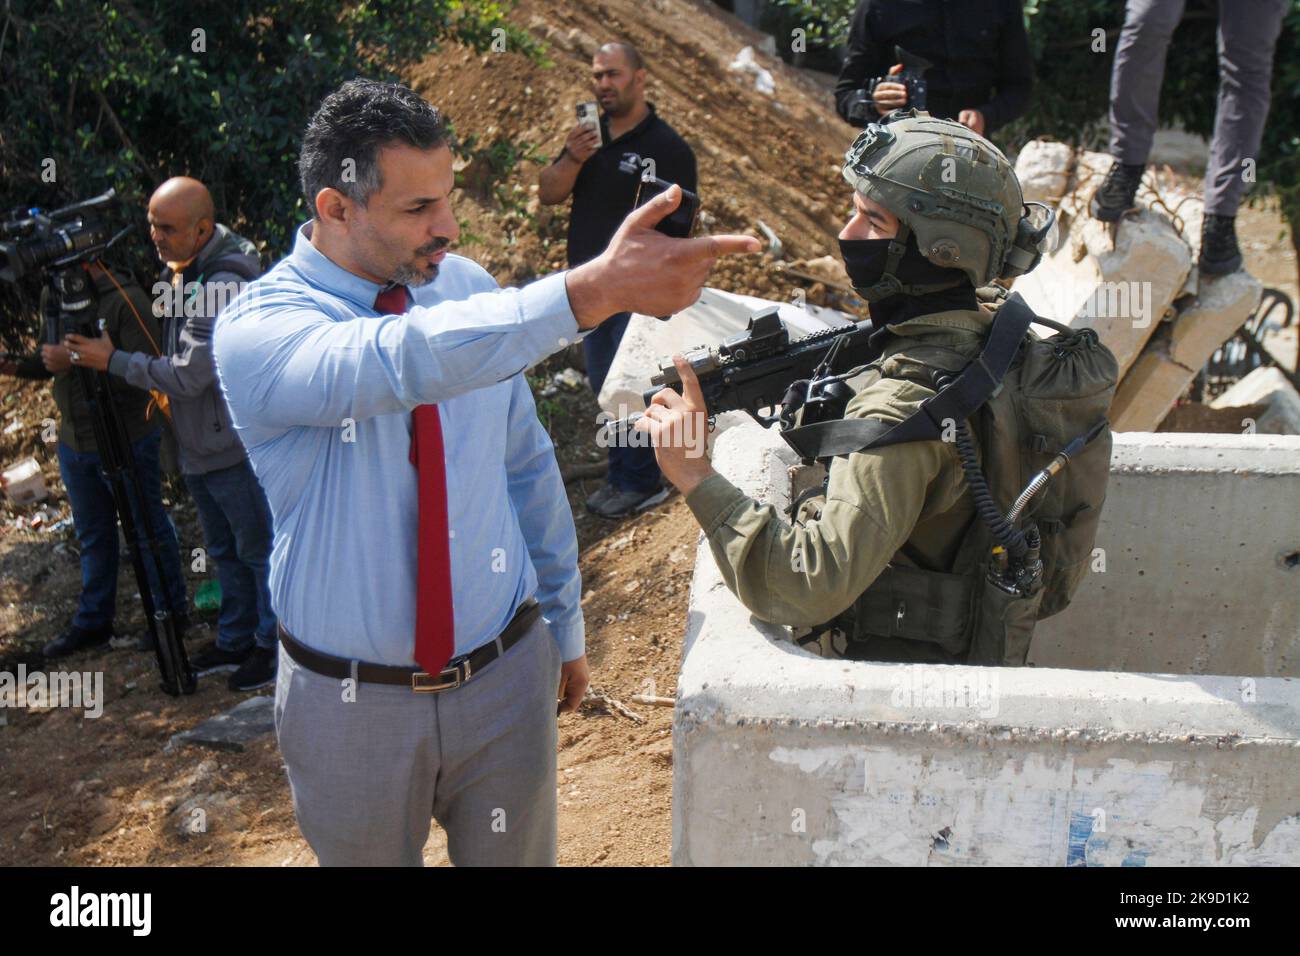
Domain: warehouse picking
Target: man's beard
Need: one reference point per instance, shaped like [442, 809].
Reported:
[618, 106]
[411, 275]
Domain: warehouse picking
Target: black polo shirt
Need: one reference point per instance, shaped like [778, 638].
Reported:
[606, 186]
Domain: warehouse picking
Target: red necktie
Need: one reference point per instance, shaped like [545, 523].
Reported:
[434, 620]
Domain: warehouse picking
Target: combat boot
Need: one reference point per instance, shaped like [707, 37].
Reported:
[1118, 189]
[1219, 252]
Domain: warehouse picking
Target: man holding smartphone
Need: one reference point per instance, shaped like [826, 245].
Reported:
[602, 171]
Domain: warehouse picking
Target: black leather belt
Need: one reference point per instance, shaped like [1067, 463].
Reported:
[458, 669]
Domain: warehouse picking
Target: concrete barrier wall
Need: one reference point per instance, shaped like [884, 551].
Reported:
[1200, 546]
[783, 757]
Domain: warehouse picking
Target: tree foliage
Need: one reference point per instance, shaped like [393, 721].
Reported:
[824, 24]
[125, 93]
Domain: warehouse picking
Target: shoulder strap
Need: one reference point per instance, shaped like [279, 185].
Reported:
[956, 401]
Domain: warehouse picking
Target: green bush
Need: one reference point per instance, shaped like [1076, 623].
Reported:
[826, 30]
[125, 94]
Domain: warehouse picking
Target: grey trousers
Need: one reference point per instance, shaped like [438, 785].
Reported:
[1248, 31]
[368, 773]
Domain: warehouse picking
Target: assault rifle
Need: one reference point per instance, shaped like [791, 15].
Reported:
[762, 367]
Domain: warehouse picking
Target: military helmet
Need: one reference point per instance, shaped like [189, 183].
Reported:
[952, 189]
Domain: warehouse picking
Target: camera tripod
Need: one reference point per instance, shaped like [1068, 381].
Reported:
[73, 299]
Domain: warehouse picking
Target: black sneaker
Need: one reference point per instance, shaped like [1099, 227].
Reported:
[620, 504]
[75, 639]
[211, 659]
[1116, 194]
[258, 670]
[600, 496]
[1219, 252]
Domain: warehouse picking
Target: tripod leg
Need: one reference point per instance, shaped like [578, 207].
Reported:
[113, 442]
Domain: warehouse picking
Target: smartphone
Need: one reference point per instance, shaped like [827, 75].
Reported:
[589, 115]
[681, 221]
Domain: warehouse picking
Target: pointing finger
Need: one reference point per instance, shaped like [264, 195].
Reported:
[714, 247]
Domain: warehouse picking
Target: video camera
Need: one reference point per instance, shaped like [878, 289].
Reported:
[58, 244]
[31, 239]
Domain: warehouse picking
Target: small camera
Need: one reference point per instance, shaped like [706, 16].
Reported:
[917, 88]
[861, 108]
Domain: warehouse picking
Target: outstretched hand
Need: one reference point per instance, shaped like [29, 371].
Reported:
[642, 270]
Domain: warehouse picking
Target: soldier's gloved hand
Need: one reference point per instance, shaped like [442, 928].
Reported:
[679, 430]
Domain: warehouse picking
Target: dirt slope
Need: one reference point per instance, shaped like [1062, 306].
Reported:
[760, 157]
[103, 791]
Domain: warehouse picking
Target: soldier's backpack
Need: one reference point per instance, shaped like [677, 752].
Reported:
[1037, 407]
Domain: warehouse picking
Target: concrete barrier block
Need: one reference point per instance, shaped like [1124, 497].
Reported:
[1043, 168]
[1199, 570]
[1266, 385]
[781, 757]
[1149, 390]
[1220, 307]
[1122, 287]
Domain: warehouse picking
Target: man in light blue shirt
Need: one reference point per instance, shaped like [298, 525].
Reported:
[321, 377]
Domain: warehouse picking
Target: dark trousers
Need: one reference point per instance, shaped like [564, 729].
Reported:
[631, 468]
[236, 523]
[94, 516]
[1248, 31]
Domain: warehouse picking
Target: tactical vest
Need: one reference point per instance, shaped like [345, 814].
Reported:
[1025, 399]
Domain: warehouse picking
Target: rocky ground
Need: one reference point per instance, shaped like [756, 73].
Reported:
[105, 791]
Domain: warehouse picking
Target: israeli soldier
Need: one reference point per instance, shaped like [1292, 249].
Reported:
[937, 213]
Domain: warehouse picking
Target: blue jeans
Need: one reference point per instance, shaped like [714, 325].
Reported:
[237, 528]
[94, 516]
[630, 468]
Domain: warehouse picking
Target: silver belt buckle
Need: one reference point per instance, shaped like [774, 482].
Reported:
[422, 683]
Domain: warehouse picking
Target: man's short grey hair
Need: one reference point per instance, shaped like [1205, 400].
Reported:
[630, 53]
[355, 123]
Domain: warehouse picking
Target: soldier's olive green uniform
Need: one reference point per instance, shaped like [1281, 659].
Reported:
[901, 515]
[907, 503]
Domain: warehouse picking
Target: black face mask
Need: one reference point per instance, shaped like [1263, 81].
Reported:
[864, 260]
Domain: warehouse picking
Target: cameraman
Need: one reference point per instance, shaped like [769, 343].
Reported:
[982, 72]
[129, 323]
[232, 506]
